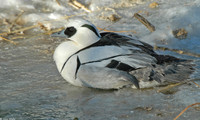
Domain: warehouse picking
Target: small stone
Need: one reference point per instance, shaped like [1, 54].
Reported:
[144, 108]
[180, 33]
[114, 18]
[197, 108]
[153, 5]
[159, 114]
[75, 118]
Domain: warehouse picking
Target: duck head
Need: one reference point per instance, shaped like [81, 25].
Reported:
[80, 31]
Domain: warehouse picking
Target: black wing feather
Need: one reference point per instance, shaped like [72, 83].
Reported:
[120, 66]
[117, 39]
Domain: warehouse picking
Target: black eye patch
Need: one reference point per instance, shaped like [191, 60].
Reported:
[70, 31]
[91, 28]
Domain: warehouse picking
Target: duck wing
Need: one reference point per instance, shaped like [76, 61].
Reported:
[117, 60]
[167, 69]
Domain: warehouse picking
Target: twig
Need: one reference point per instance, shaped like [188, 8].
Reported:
[34, 26]
[18, 16]
[117, 31]
[17, 37]
[152, 29]
[19, 30]
[170, 86]
[78, 5]
[177, 51]
[53, 31]
[16, 19]
[72, 4]
[58, 2]
[145, 22]
[8, 40]
[185, 110]
[44, 27]
[177, 84]
[196, 84]
[46, 33]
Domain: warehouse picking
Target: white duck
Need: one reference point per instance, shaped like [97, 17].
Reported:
[111, 61]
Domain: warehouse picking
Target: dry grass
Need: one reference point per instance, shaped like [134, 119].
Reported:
[12, 33]
[169, 87]
[177, 51]
[10, 41]
[124, 31]
[49, 31]
[78, 5]
[58, 2]
[177, 84]
[196, 84]
[145, 22]
[185, 110]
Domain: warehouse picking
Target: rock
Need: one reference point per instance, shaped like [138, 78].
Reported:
[153, 5]
[180, 33]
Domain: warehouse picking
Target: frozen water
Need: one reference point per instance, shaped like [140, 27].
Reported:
[32, 88]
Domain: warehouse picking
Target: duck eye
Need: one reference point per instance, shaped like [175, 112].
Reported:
[70, 31]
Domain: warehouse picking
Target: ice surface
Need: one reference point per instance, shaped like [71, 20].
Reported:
[32, 88]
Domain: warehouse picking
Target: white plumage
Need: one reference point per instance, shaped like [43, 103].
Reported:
[111, 61]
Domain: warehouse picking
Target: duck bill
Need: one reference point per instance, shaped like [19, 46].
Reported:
[59, 34]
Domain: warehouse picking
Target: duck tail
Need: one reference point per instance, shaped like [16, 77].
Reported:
[169, 70]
